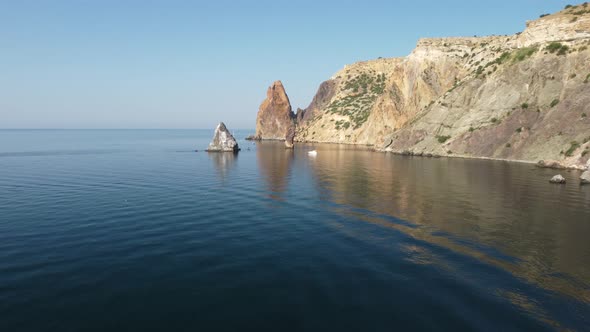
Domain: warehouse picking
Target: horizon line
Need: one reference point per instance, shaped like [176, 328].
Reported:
[119, 129]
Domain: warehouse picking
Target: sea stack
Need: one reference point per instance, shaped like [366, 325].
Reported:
[275, 117]
[223, 140]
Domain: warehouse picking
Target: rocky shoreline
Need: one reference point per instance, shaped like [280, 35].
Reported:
[552, 164]
[521, 98]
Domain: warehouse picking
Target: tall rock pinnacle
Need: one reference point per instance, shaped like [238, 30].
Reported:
[275, 117]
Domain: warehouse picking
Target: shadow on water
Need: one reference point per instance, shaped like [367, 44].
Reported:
[275, 164]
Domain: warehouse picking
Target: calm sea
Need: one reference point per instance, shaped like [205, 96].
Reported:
[121, 230]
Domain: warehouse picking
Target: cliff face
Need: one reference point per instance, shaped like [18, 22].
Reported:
[275, 118]
[524, 97]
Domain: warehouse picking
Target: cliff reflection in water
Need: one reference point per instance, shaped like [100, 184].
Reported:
[501, 213]
[275, 163]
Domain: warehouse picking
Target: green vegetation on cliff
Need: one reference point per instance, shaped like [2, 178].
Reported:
[365, 87]
[510, 97]
[557, 47]
[442, 139]
[573, 147]
[523, 53]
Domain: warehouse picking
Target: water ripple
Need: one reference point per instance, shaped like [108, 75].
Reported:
[131, 226]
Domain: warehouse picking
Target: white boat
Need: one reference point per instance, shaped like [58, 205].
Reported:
[312, 153]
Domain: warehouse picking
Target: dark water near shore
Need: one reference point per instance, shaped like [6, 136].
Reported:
[125, 230]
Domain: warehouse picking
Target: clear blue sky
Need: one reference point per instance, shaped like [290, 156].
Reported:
[190, 64]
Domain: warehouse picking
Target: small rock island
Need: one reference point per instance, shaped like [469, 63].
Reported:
[275, 119]
[223, 140]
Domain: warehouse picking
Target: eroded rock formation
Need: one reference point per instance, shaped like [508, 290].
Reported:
[275, 117]
[223, 140]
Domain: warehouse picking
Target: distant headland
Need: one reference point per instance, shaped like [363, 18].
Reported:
[522, 97]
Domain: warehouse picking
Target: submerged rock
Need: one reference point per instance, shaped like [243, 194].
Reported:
[557, 179]
[585, 178]
[223, 140]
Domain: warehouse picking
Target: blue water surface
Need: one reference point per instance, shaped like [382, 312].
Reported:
[120, 230]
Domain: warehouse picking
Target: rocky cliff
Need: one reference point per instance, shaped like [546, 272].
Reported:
[275, 117]
[523, 97]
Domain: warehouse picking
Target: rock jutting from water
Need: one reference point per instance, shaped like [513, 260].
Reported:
[585, 178]
[223, 140]
[275, 117]
[558, 179]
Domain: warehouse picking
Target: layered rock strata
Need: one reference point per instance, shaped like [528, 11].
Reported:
[520, 97]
